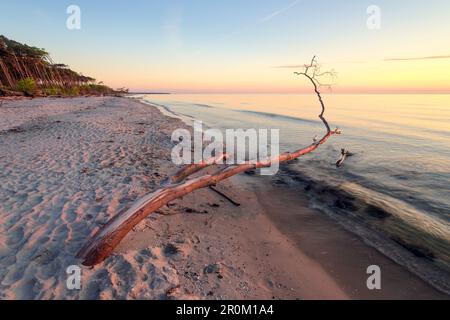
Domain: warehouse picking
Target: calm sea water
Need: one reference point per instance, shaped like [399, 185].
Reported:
[394, 192]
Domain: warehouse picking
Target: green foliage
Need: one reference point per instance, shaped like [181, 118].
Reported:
[95, 89]
[21, 49]
[51, 91]
[70, 91]
[73, 91]
[46, 77]
[27, 86]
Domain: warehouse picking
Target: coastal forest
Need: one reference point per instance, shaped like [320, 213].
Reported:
[30, 71]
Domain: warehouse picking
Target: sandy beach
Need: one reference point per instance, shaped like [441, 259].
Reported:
[68, 165]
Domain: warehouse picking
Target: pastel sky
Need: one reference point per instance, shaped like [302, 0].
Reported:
[242, 45]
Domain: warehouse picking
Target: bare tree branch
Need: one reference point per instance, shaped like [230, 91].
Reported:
[190, 169]
[314, 79]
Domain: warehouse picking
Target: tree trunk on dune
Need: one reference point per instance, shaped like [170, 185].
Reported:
[47, 74]
[25, 68]
[20, 68]
[58, 75]
[8, 76]
[42, 73]
[59, 81]
[37, 74]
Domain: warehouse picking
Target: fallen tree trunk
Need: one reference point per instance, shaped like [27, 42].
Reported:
[108, 237]
[190, 169]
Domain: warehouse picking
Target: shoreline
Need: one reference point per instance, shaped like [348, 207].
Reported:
[341, 253]
[200, 247]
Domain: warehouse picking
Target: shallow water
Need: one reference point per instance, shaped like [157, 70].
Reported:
[394, 192]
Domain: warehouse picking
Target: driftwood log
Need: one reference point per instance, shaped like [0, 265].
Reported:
[109, 236]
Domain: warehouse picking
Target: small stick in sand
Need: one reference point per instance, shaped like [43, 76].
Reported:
[225, 196]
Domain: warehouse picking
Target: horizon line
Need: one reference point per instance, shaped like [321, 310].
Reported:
[298, 92]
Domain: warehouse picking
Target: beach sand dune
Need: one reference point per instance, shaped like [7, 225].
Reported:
[68, 165]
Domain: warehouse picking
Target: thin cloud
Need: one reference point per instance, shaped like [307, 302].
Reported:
[289, 66]
[418, 58]
[278, 12]
[294, 66]
[256, 24]
[265, 19]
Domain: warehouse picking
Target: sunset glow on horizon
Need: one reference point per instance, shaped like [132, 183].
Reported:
[244, 46]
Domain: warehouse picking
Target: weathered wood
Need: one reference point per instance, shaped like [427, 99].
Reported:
[341, 160]
[344, 155]
[106, 239]
[190, 169]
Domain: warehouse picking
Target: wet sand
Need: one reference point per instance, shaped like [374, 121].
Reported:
[341, 254]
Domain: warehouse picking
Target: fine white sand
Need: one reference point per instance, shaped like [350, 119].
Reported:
[68, 165]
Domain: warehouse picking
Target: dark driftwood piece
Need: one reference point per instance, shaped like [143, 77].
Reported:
[108, 237]
[344, 155]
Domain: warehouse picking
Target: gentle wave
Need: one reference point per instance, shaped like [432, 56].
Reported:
[203, 105]
[277, 116]
[168, 110]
